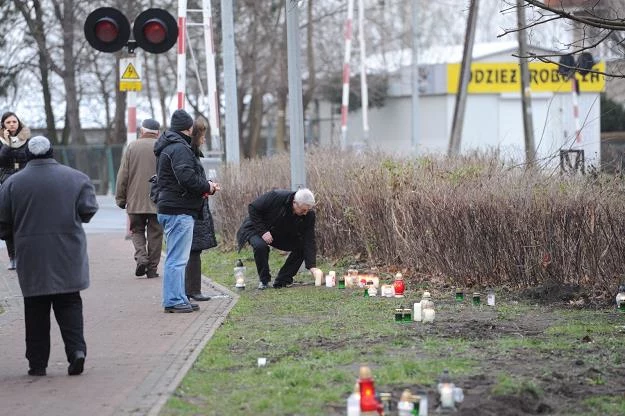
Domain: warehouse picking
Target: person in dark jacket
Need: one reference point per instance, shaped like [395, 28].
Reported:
[182, 190]
[13, 138]
[44, 206]
[284, 220]
[203, 227]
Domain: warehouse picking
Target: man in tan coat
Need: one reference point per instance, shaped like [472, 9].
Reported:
[133, 194]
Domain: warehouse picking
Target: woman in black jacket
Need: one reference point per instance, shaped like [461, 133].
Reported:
[203, 227]
[13, 138]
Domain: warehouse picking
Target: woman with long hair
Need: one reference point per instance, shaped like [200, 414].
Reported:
[203, 227]
[13, 157]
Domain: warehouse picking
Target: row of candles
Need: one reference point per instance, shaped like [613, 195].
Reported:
[371, 283]
[364, 400]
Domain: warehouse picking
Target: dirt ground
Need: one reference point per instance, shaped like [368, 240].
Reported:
[560, 379]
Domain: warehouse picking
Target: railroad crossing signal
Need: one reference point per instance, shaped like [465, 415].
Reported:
[567, 65]
[108, 30]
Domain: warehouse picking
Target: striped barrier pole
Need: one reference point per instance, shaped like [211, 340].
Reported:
[182, 57]
[213, 98]
[575, 100]
[348, 50]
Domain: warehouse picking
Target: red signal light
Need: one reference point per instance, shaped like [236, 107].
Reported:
[106, 30]
[154, 31]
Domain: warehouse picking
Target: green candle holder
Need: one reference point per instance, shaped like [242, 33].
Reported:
[407, 315]
[459, 295]
[399, 314]
[477, 299]
[341, 282]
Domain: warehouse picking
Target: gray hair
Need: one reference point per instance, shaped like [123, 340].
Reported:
[304, 196]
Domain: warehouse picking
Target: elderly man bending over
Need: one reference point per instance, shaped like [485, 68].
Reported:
[282, 219]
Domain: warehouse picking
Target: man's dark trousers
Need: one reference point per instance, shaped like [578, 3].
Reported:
[68, 312]
[261, 258]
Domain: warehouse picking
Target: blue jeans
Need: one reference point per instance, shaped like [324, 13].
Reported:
[178, 237]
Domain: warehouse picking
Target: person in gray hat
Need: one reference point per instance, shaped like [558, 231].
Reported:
[132, 193]
[182, 188]
[51, 250]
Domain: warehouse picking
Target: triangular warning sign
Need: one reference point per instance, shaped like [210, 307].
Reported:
[130, 72]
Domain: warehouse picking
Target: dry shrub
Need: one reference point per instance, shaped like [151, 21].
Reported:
[471, 220]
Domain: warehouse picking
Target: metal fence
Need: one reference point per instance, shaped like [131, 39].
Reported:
[101, 163]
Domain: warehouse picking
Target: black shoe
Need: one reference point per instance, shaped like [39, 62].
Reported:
[77, 363]
[12, 266]
[280, 284]
[180, 308]
[141, 269]
[150, 274]
[194, 306]
[37, 372]
[199, 297]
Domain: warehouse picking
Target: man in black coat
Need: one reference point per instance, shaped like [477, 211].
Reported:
[182, 188]
[284, 220]
[44, 206]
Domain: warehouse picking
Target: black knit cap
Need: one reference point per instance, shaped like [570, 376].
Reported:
[180, 120]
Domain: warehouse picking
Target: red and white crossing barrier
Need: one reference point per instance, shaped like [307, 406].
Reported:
[182, 57]
[346, 72]
[575, 100]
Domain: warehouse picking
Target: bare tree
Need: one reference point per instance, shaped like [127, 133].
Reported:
[33, 16]
[593, 25]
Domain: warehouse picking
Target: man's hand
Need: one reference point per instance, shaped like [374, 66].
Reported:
[122, 205]
[267, 237]
[216, 187]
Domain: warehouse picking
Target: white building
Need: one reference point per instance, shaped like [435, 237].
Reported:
[493, 118]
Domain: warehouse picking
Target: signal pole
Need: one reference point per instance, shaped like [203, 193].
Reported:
[230, 83]
[296, 107]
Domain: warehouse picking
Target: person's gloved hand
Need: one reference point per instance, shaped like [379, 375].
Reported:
[122, 205]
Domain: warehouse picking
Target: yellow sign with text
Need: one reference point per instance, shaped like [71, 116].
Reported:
[495, 77]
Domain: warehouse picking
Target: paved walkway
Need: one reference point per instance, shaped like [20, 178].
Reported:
[137, 355]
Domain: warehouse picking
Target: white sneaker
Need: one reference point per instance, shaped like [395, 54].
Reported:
[262, 286]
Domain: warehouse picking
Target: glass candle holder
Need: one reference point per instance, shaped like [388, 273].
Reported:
[620, 299]
[407, 315]
[459, 295]
[477, 299]
[490, 297]
[399, 314]
[341, 282]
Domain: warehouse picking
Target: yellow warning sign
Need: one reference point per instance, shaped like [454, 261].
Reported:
[129, 75]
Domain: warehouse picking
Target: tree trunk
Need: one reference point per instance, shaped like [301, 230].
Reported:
[36, 26]
[310, 57]
[255, 120]
[161, 91]
[72, 102]
[282, 94]
[119, 120]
